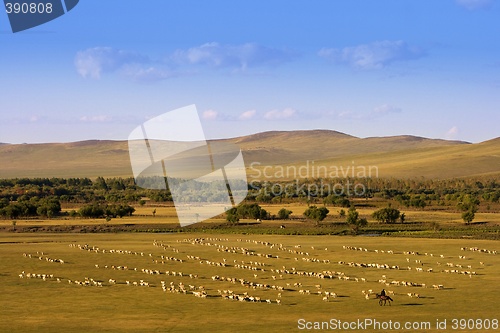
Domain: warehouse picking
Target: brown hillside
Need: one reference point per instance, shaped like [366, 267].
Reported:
[396, 156]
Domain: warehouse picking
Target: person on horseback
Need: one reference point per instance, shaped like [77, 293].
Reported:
[382, 293]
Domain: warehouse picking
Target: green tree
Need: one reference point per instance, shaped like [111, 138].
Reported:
[468, 216]
[4, 202]
[119, 210]
[49, 207]
[354, 221]
[100, 184]
[469, 205]
[284, 214]
[251, 211]
[12, 211]
[418, 202]
[93, 210]
[315, 213]
[337, 200]
[387, 215]
[232, 216]
[263, 197]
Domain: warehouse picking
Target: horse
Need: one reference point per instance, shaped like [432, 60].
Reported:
[383, 299]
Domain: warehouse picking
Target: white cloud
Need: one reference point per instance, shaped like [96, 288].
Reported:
[96, 119]
[94, 62]
[247, 115]
[475, 4]
[452, 133]
[346, 115]
[240, 56]
[280, 114]
[333, 114]
[386, 109]
[91, 63]
[151, 73]
[379, 111]
[210, 115]
[375, 55]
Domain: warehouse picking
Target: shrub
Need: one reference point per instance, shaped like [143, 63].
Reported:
[387, 215]
[232, 216]
[354, 221]
[315, 213]
[284, 214]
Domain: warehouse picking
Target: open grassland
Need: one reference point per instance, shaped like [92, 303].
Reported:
[77, 159]
[277, 279]
[419, 223]
[399, 156]
[430, 162]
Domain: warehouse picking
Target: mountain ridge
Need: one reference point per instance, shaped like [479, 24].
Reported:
[396, 156]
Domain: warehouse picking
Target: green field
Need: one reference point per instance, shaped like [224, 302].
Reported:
[35, 305]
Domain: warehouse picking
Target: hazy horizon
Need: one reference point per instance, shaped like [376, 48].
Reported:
[257, 133]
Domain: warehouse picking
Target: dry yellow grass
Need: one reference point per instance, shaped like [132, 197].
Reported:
[402, 156]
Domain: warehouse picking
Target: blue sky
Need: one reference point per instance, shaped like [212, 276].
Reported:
[366, 68]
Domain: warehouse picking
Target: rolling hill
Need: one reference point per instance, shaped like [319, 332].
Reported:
[396, 156]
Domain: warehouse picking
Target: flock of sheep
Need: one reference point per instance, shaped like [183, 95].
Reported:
[245, 274]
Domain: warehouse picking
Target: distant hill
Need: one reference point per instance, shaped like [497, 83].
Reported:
[395, 156]
[75, 159]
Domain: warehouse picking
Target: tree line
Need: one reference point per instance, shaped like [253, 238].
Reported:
[408, 192]
[100, 197]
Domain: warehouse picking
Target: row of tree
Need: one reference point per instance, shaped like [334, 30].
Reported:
[26, 197]
[107, 211]
[51, 207]
[386, 215]
[408, 192]
[318, 214]
[246, 211]
[45, 207]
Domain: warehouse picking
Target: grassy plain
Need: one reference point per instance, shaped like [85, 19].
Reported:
[399, 156]
[34, 305]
